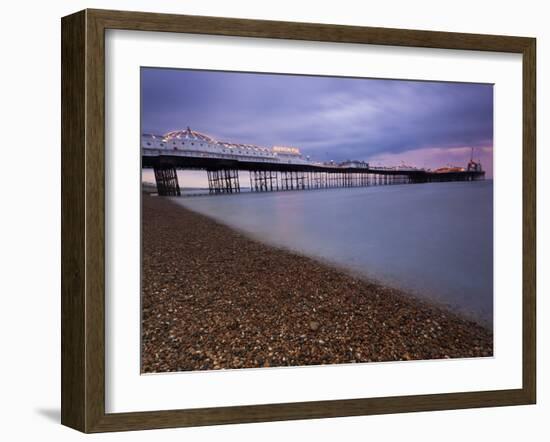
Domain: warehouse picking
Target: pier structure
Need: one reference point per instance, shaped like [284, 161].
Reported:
[223, 175]
[166, 178]
[222, 180]
[275, 169]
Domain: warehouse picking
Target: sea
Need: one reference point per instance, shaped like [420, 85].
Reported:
[433, 241]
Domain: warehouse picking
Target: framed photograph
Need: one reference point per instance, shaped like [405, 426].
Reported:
[269, 220]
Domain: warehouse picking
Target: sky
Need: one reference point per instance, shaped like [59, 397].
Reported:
[386, 122]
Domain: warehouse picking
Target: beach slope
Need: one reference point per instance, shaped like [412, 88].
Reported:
[214, 299]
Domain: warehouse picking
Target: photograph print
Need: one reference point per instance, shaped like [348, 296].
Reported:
[299, 220]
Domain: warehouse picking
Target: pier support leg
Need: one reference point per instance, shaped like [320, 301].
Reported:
[167, 181]
[223, 181]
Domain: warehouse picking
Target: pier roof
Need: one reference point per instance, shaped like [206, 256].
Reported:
[189, 134]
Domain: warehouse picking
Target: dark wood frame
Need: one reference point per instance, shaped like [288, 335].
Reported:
[83, 217]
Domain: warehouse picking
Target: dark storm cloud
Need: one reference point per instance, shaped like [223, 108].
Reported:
[327, 117]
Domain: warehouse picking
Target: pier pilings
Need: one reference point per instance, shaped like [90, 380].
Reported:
[167, 180]
[223, 175]
[223, 181]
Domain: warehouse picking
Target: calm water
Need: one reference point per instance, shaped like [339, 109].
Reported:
[433, 240]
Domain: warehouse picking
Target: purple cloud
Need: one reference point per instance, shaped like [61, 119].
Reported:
[329, 118]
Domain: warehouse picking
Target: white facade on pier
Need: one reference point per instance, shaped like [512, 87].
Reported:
[191, 143]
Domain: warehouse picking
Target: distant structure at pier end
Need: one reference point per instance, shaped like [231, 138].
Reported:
[474, 166]
[273, 168]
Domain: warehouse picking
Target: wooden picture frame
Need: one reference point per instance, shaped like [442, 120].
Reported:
[83, 220]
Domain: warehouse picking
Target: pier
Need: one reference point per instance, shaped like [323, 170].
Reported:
[272, 169]
[223, 175]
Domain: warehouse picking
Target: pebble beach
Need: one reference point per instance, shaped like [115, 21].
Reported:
[213, 298]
